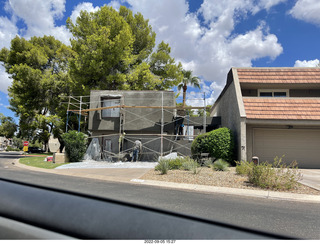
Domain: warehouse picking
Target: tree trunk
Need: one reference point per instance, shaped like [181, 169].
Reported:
[184, 95]
[61, 144]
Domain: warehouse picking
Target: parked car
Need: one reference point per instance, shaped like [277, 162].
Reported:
[35, 150]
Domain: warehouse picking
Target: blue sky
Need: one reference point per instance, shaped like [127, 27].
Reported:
[206, 36]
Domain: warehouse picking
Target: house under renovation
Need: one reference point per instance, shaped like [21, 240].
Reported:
[118, 118]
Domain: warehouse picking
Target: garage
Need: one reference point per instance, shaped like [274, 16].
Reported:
[301, 145]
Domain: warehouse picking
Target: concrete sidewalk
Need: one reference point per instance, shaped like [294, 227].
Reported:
[132, 175]
[311, 178]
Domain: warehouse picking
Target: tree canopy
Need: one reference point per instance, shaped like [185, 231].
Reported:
[110, 50]
[113, 49]
[40, 76]
[188, 79]
[7, 126]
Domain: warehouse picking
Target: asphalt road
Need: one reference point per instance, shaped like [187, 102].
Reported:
[295, 219]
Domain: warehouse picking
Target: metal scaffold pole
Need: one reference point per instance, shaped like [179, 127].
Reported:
[80, 113]
[204, 113]
[161, 152]
[68, 115]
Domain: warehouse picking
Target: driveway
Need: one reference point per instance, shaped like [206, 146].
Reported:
[311, 177]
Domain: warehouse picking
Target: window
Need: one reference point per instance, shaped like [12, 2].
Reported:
[111, 112]
[265, 94]
[273, 93]
[107, 145]
[279, 94]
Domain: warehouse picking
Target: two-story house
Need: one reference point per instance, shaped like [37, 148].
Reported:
[118, 118]
[273, 112]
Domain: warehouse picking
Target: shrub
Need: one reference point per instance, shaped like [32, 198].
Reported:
[162, 166]
[218, 143]
[175, 163]
[75, 145]
[9, 148]
[207, 163]
[189, 165]
[243, 168]
[220, 165]
[276, 176]
[178, 163]
[198, 146]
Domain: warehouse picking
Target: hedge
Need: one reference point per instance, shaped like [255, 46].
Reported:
[218, 143]
[75, 145]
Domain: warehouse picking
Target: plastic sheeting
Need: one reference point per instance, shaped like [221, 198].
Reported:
[93, 151]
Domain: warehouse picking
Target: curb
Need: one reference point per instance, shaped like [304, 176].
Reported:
[193, 187]
[233, 191]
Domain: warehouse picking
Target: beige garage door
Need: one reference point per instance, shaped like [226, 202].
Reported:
[300, 145]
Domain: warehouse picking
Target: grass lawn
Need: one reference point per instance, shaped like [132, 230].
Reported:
[38, 161]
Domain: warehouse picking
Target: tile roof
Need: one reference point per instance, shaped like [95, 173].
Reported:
[282, 108]
[279, 75]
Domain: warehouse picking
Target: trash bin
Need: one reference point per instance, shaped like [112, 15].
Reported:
[255, 160]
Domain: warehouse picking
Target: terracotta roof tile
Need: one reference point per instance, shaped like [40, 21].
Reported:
[284, 108]
[279, 75]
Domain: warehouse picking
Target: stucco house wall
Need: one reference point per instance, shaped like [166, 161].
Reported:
[229, 107]
[134, 119]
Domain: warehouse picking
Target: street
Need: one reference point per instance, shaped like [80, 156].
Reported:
[295, 219]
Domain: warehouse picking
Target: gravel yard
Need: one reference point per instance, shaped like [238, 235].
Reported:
[207, 176]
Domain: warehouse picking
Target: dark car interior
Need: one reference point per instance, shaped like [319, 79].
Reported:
[32, 212]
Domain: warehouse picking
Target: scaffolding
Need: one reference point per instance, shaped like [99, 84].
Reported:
[180, 140]
[77, 106]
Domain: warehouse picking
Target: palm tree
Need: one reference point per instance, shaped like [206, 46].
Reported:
[188, 79]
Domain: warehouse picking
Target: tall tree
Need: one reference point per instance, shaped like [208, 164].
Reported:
[188, 79]
[40, 76]
[112, 50]
[7, 126]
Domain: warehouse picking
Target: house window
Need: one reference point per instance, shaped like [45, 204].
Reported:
[107, 145]
[273, 93]
[265, 94]
[110, 112]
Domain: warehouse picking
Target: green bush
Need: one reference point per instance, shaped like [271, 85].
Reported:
[198, 146]
[175, 163]
[275, 176]
[220, 165]
[207, 163]
[218, 143]
[243, 168]
[178, 163]
[189, 164]
[75, 145]
[162, 166]
[12, 149]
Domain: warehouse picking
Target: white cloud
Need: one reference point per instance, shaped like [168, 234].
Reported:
[115, 4]
[267, 4]
[305, 63]
[214, 9]
[211, 50]
[8, 31]
[85, 6]
[307, 10]
[39, 17]
[254, 44]
[5, 81]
